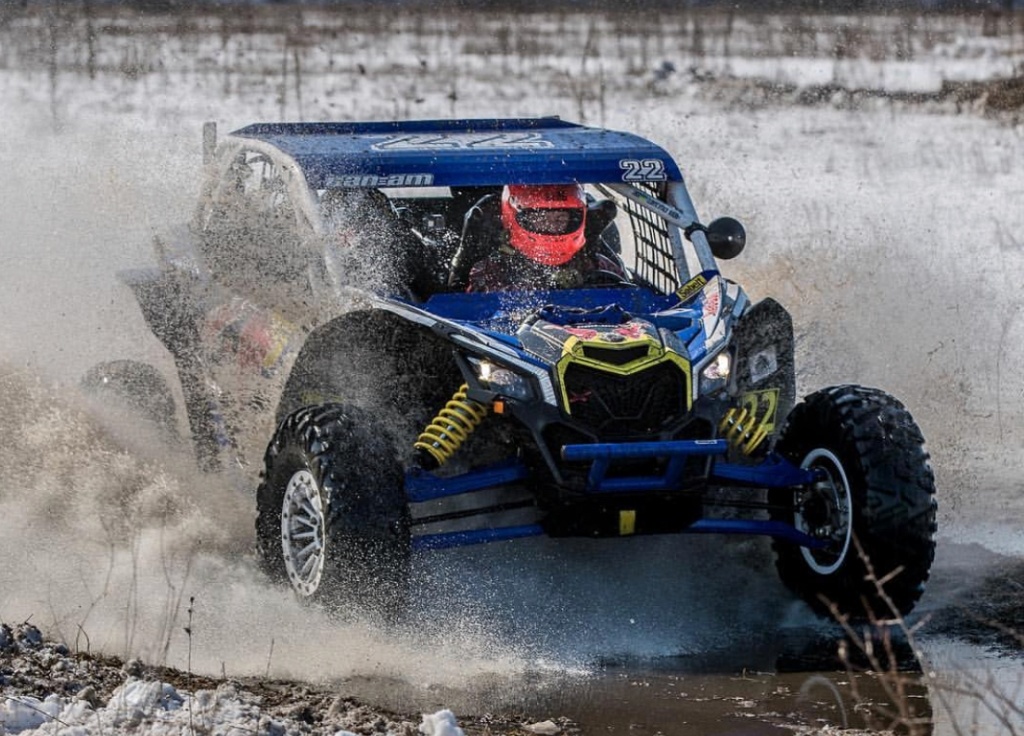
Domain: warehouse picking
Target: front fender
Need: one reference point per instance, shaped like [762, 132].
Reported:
[765, 375]
[375, 358]
[170, 309]
[168, 305]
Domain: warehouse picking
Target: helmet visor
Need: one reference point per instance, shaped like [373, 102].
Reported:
[550, 221]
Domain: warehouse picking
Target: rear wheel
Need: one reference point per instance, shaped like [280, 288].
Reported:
[875, 488]
[332, 519]
[136, 387]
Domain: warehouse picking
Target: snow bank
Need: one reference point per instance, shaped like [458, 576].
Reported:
[48, 691]
[441, 723]
[152, 708]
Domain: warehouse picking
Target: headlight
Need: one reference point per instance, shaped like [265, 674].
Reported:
[718, 368]
[501, 380]
[716, 373]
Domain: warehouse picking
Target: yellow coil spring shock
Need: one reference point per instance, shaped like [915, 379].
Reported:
[451, 427]
[746, 436]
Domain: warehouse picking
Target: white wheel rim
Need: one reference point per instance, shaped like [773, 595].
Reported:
[837, 489]
[302, 533]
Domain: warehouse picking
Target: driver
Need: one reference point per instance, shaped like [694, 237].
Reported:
[541, 243]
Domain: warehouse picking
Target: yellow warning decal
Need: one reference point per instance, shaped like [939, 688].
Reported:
[691, 287]
[627, 522]
[763, 404]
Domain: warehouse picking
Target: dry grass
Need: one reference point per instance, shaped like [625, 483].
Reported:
[973, 702]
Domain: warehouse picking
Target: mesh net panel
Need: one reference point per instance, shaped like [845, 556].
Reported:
[654, 263]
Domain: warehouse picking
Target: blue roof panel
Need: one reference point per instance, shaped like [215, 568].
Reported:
[454, 153]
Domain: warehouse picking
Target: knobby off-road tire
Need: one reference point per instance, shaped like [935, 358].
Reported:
[877, 488]
[332, 518]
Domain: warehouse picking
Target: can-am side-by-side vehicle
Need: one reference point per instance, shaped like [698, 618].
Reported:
[329, 343]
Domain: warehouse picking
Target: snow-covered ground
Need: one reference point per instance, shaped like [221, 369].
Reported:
[81, 701]
[893, 232]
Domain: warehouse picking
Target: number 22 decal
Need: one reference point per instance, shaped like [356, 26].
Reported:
[646, 169]
[762, 404]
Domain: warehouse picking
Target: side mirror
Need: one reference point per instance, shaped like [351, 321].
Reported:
[727, 238]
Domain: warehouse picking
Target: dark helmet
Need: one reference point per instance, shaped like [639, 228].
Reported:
[544, 221]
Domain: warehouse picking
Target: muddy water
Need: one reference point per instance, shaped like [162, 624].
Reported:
[758, 664]
[644, 702]
[785, 687]
[649, 702]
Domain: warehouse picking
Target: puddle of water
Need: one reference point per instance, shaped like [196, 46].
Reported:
[789, 680]
[749, 703]
[782, 684]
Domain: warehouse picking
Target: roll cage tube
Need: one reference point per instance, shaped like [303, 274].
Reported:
[680, 212]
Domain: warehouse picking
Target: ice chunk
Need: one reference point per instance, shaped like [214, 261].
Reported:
[442, 723]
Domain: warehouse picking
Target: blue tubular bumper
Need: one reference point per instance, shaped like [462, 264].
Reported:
[772, 472]
[603, 454]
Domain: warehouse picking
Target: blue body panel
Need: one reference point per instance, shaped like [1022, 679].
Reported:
[504, 311]
[499, 314]
[464, 153]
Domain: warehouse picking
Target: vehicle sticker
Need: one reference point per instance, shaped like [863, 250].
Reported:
[583, 333]
[373, 180]
[763, 364]
[645, 169]
[691, 287]
[761, 406]
[444, 141]
[631, 330]
[627, 522]
[258, 340]
[712, 301]
[580, 397]
[664, 209]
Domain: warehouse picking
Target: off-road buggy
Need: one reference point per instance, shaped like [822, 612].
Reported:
[316, 305]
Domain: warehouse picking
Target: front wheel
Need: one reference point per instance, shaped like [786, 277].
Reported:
[332, 521]
[874, 488]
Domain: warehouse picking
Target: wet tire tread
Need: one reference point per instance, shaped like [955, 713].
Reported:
[893, 489]
[367, 520]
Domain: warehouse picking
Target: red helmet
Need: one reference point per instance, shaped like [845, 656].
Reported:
[544, 221]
